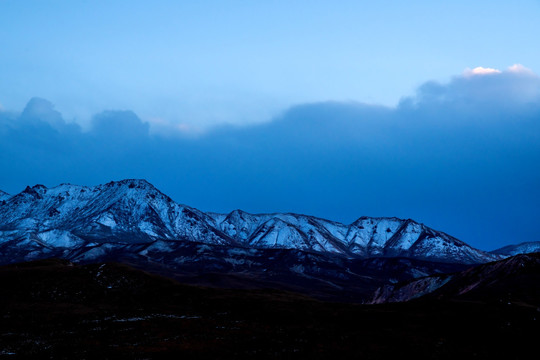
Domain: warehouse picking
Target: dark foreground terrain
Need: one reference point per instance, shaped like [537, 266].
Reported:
[56, 309]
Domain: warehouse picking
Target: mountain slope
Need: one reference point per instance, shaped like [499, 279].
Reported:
[128, 212]
[523, 248]
[4, 196]
[512, 280]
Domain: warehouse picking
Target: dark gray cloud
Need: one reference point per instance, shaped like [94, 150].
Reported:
[462, 157]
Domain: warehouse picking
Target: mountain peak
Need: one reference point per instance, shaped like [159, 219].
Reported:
[380, 218]
[34, 191]
[131, 183]
[134, 186]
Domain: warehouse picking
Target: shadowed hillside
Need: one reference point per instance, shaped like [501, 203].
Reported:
[57, 309]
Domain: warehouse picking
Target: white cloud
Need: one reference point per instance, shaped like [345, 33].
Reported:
[520, 69]
[480, 71]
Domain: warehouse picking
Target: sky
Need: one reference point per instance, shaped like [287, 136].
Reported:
[422, 110]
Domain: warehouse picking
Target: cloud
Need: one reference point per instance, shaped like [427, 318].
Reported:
[39, 109]
[119, 125]
[461, 157]
[520, 69]
[480, 71]
[168, 129]
[484, 93]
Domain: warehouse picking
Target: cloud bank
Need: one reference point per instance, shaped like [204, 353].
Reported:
[461, 157]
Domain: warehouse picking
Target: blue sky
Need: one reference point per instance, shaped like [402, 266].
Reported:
[422, 110]
[208, 62]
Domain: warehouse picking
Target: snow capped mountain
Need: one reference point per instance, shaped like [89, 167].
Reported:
[126, 211]
[366, 237]
[523, 248]
[132, 212]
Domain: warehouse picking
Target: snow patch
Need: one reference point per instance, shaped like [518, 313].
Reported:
[107, 220]
[60, 238]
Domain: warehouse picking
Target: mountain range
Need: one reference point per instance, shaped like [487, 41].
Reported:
[131, 221]
[135, 212]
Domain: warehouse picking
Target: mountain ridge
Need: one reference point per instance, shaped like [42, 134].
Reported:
[521, 248]
[134, 211]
